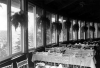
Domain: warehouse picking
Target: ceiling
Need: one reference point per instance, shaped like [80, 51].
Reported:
[85, 10]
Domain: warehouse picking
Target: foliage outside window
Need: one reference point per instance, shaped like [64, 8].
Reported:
[79, 30]
[4, 48]
[48, 31]
[74, 32]
[64, 33]
[31, 27]
[61, 34]
[39, 35]
[91, 32]
[98, 33]
[88, 36]
[96, 28]
[54, 32]
[48, 37]
[70, 32]
[82, 33]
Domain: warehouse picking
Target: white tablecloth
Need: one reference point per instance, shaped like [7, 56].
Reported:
[88, 61]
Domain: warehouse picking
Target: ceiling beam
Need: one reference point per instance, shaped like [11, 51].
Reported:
[75, 10]
[66, 5]
[97, 18]
[87, 10]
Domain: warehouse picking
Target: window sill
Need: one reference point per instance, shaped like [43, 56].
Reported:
[16, 55]
[13, 56]
[32, 50]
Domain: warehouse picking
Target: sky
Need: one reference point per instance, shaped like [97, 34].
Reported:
[3, 16]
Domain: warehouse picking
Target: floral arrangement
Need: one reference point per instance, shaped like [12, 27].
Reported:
[84, 28]
[67, 25]
[19, 18]
[42, 21]
[92, 28]
[75, 27]
[57, 26]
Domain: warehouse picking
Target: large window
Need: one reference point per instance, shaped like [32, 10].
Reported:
[7, 31]
[4, 48]
[16, 32]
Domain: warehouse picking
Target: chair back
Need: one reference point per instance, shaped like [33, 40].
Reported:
[23, 64]
[8, 66]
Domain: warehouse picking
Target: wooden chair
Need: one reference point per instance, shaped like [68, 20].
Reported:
[23, 64]
[8, 66]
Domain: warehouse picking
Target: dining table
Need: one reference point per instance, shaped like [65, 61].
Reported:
[79, 57]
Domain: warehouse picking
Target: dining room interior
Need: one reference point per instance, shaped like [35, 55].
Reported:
[49, 34]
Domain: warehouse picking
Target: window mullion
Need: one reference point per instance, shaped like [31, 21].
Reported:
[62, 29]
[24, 31]
[50, 28]
[9, 31]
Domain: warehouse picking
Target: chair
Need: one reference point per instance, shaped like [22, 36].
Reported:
[8, 66]
[23, 64]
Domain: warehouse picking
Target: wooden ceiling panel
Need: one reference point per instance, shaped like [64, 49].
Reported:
[78, 9]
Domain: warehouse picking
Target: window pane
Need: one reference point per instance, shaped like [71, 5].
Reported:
[48, 31]
[31, 24]
[74, 32]
[91, 32]
[54, 32]
[79, 29]
[64, 31]
[39, 40]
[4, 48]
[39, 37]
[48, 37]
[61, 34]
[64, 34]
[88, 36]
[71, 31]
[82, 33]
[96, 28]
[54, 37]
[16, 33]
[98, 33]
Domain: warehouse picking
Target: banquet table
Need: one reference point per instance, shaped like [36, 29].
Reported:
[86, 61]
